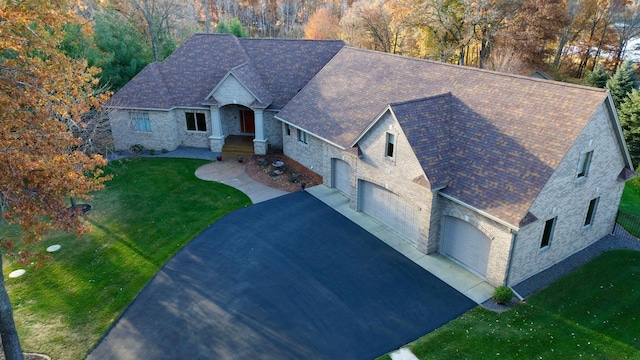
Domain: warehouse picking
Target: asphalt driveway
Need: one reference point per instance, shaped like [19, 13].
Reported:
[288, 278]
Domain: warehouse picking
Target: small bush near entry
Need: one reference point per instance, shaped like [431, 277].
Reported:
[136, 149]
[502, 295]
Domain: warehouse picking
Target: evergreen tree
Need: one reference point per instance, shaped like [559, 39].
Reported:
[629, 114]
[622, 82]
[125, 51]
[598, 77]
[233, 26]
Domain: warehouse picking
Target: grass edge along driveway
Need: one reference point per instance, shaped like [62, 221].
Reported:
[149, 211]
[590, 313]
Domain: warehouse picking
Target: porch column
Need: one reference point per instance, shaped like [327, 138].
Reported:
[216, 140]
[259, 142]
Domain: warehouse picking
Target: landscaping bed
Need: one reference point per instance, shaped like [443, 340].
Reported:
[290, 176]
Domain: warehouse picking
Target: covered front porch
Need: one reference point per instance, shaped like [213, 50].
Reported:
[237, 129]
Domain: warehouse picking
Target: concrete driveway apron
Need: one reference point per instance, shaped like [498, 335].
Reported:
[289, 278]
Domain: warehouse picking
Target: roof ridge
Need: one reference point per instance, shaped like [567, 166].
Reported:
[446, 94]
[292, 40]
[492, 72]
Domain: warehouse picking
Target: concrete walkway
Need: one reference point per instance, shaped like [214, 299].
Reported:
[232, 173]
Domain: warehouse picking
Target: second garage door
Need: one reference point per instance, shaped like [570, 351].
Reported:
[341, 176]
[465, 243]
[387, 208]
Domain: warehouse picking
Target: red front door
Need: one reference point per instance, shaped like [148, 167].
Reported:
[247, 122]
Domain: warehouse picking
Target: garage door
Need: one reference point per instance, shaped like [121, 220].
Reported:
[341, 176]
[387, 208]
[465, 243]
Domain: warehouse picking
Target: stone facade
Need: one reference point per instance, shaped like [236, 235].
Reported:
[514, 254]
[169, 128]
[163, 135]
[567, 198]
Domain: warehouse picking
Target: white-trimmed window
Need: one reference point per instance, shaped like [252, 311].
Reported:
[140, 121]
[196, 121]
[591, 211]
[390, 145]
[547, 234]
[288, 129]
[303, 136]
[585, 164]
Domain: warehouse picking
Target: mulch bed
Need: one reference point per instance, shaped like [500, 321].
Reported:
[289, 177]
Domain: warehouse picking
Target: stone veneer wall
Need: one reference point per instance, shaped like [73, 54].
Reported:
[198, 139]
[163, 134]
[568, 199]
[272, 129]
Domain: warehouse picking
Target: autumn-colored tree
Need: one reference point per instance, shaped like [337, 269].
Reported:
[322, 25]
[42, 93]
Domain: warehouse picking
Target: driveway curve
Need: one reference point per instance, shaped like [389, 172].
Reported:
[288, 278]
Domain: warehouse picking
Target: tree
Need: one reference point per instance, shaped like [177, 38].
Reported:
[629, 114]
[322, 25]
[124, 50]
[446, 29]
[158, 16]
[233, 26]
[598, 77]
[627, 25]
[536, 24]
[41, 91]
[622, 82]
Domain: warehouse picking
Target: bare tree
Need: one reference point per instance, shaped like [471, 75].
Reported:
[158, 16]
[627, 26]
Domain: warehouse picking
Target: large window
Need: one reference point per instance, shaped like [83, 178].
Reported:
[196, 121]
[585, 163]
[390, 145]
[140, 121]
[591, 211]
[547, 234]
[303, 137]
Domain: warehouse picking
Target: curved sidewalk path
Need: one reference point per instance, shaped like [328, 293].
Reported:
[232, 173]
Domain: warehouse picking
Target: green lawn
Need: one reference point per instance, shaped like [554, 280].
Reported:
[149, 211]
[590, 313]
[630, 201]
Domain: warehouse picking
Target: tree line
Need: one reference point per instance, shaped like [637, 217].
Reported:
[564, 38]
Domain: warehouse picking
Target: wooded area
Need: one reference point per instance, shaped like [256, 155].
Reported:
[564, 38]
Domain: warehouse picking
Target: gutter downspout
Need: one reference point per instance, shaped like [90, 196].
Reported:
[514, 236]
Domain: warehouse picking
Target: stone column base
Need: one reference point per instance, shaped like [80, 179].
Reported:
[216, 144]
[260, 147]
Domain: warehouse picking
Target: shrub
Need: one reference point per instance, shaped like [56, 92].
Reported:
[152, 152]
[136, 149]
[502, 295]
[164, 150]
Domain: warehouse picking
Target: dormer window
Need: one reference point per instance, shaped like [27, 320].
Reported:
[390, 145]
[585, 163]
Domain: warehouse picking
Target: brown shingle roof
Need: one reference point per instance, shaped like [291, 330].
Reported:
[273, 69]
[508, 133]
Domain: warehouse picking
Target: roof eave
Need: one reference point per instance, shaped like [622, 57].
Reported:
[309, 132]
[483, 213]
